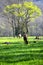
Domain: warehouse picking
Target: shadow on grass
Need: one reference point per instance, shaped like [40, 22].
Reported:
[21, 57]
[20, 46]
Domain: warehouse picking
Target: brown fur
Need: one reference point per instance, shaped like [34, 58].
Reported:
[25, 39]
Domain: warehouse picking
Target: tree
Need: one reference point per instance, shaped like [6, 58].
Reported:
[24, 13]
[31, 12]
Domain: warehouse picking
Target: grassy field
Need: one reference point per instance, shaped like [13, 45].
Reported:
[18, 53]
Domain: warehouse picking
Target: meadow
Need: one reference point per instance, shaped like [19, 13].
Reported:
[19, 53]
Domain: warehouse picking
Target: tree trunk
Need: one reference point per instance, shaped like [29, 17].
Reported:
[13, 29]
[18, 27]
[26, 28]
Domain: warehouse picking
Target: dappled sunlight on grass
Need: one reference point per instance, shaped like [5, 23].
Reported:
[19, 53]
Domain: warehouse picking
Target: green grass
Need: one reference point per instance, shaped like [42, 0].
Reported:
[18, 53]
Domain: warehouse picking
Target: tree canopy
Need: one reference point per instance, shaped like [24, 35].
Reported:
[27, 7]
[24, 12]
